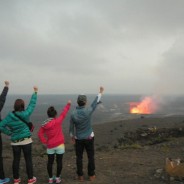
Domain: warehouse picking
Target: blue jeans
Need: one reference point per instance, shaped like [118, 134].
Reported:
[88, 145]
[27, 150]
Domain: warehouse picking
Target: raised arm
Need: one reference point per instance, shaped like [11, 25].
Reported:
[100, 94]
[97, 99]
[64, 112]
[3, 94]
[32, 103]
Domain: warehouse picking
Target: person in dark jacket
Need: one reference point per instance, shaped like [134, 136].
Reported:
[82, 134]
[2, 102]
[14, 126]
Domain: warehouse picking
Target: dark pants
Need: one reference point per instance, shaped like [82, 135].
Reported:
[88, 145]
[27, 149]
[1, 159]
[59, 158]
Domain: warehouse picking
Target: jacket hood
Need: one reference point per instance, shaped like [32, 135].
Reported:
[13, 117]
[46, 123]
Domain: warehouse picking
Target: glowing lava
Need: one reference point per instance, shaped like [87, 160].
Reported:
[146, 106]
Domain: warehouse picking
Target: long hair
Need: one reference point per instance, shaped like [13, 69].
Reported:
[19, 105]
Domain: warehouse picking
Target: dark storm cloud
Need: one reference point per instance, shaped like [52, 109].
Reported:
[118, 43]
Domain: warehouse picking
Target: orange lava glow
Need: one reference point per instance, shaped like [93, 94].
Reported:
[146, 106]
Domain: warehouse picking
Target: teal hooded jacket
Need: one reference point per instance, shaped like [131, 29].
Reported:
[13, 126]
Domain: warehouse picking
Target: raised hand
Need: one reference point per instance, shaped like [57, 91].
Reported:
[101, 89]
[6, 83]
[35, 89]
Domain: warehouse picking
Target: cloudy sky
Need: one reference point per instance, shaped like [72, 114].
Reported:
[74, 46]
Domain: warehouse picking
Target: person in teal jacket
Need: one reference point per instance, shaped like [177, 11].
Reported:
[20, 134]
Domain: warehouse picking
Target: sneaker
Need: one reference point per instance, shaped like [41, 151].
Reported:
[51, 180]
[80, 178]
[5, 180]
[31, 181]
[58, 180]
[91, 178]
[16, 181]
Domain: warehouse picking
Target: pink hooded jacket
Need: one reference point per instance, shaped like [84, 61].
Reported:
[50, 133]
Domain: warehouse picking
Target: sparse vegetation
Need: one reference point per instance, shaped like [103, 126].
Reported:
[149, 136]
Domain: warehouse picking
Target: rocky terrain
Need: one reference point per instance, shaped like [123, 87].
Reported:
[127, 152]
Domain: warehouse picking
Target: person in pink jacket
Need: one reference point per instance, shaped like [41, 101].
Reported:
[51, 135]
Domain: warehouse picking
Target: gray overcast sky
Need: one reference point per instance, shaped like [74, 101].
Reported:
[74, 46]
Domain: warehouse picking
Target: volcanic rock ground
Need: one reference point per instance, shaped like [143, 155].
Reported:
[127, 152]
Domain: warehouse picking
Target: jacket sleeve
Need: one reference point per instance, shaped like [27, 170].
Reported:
[95, 103]
[63, 113]
[41, 136]
[71, 128]
[3, 97]
[3, 126]
[30, 108]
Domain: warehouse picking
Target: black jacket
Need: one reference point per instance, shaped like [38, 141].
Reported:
[3, 99]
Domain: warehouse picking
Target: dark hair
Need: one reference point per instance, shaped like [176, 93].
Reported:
[81, 100]
[51, 112]
[19, 105]
[80, 103]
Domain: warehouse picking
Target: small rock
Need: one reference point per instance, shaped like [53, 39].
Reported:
[159, 171]
[144, 134]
